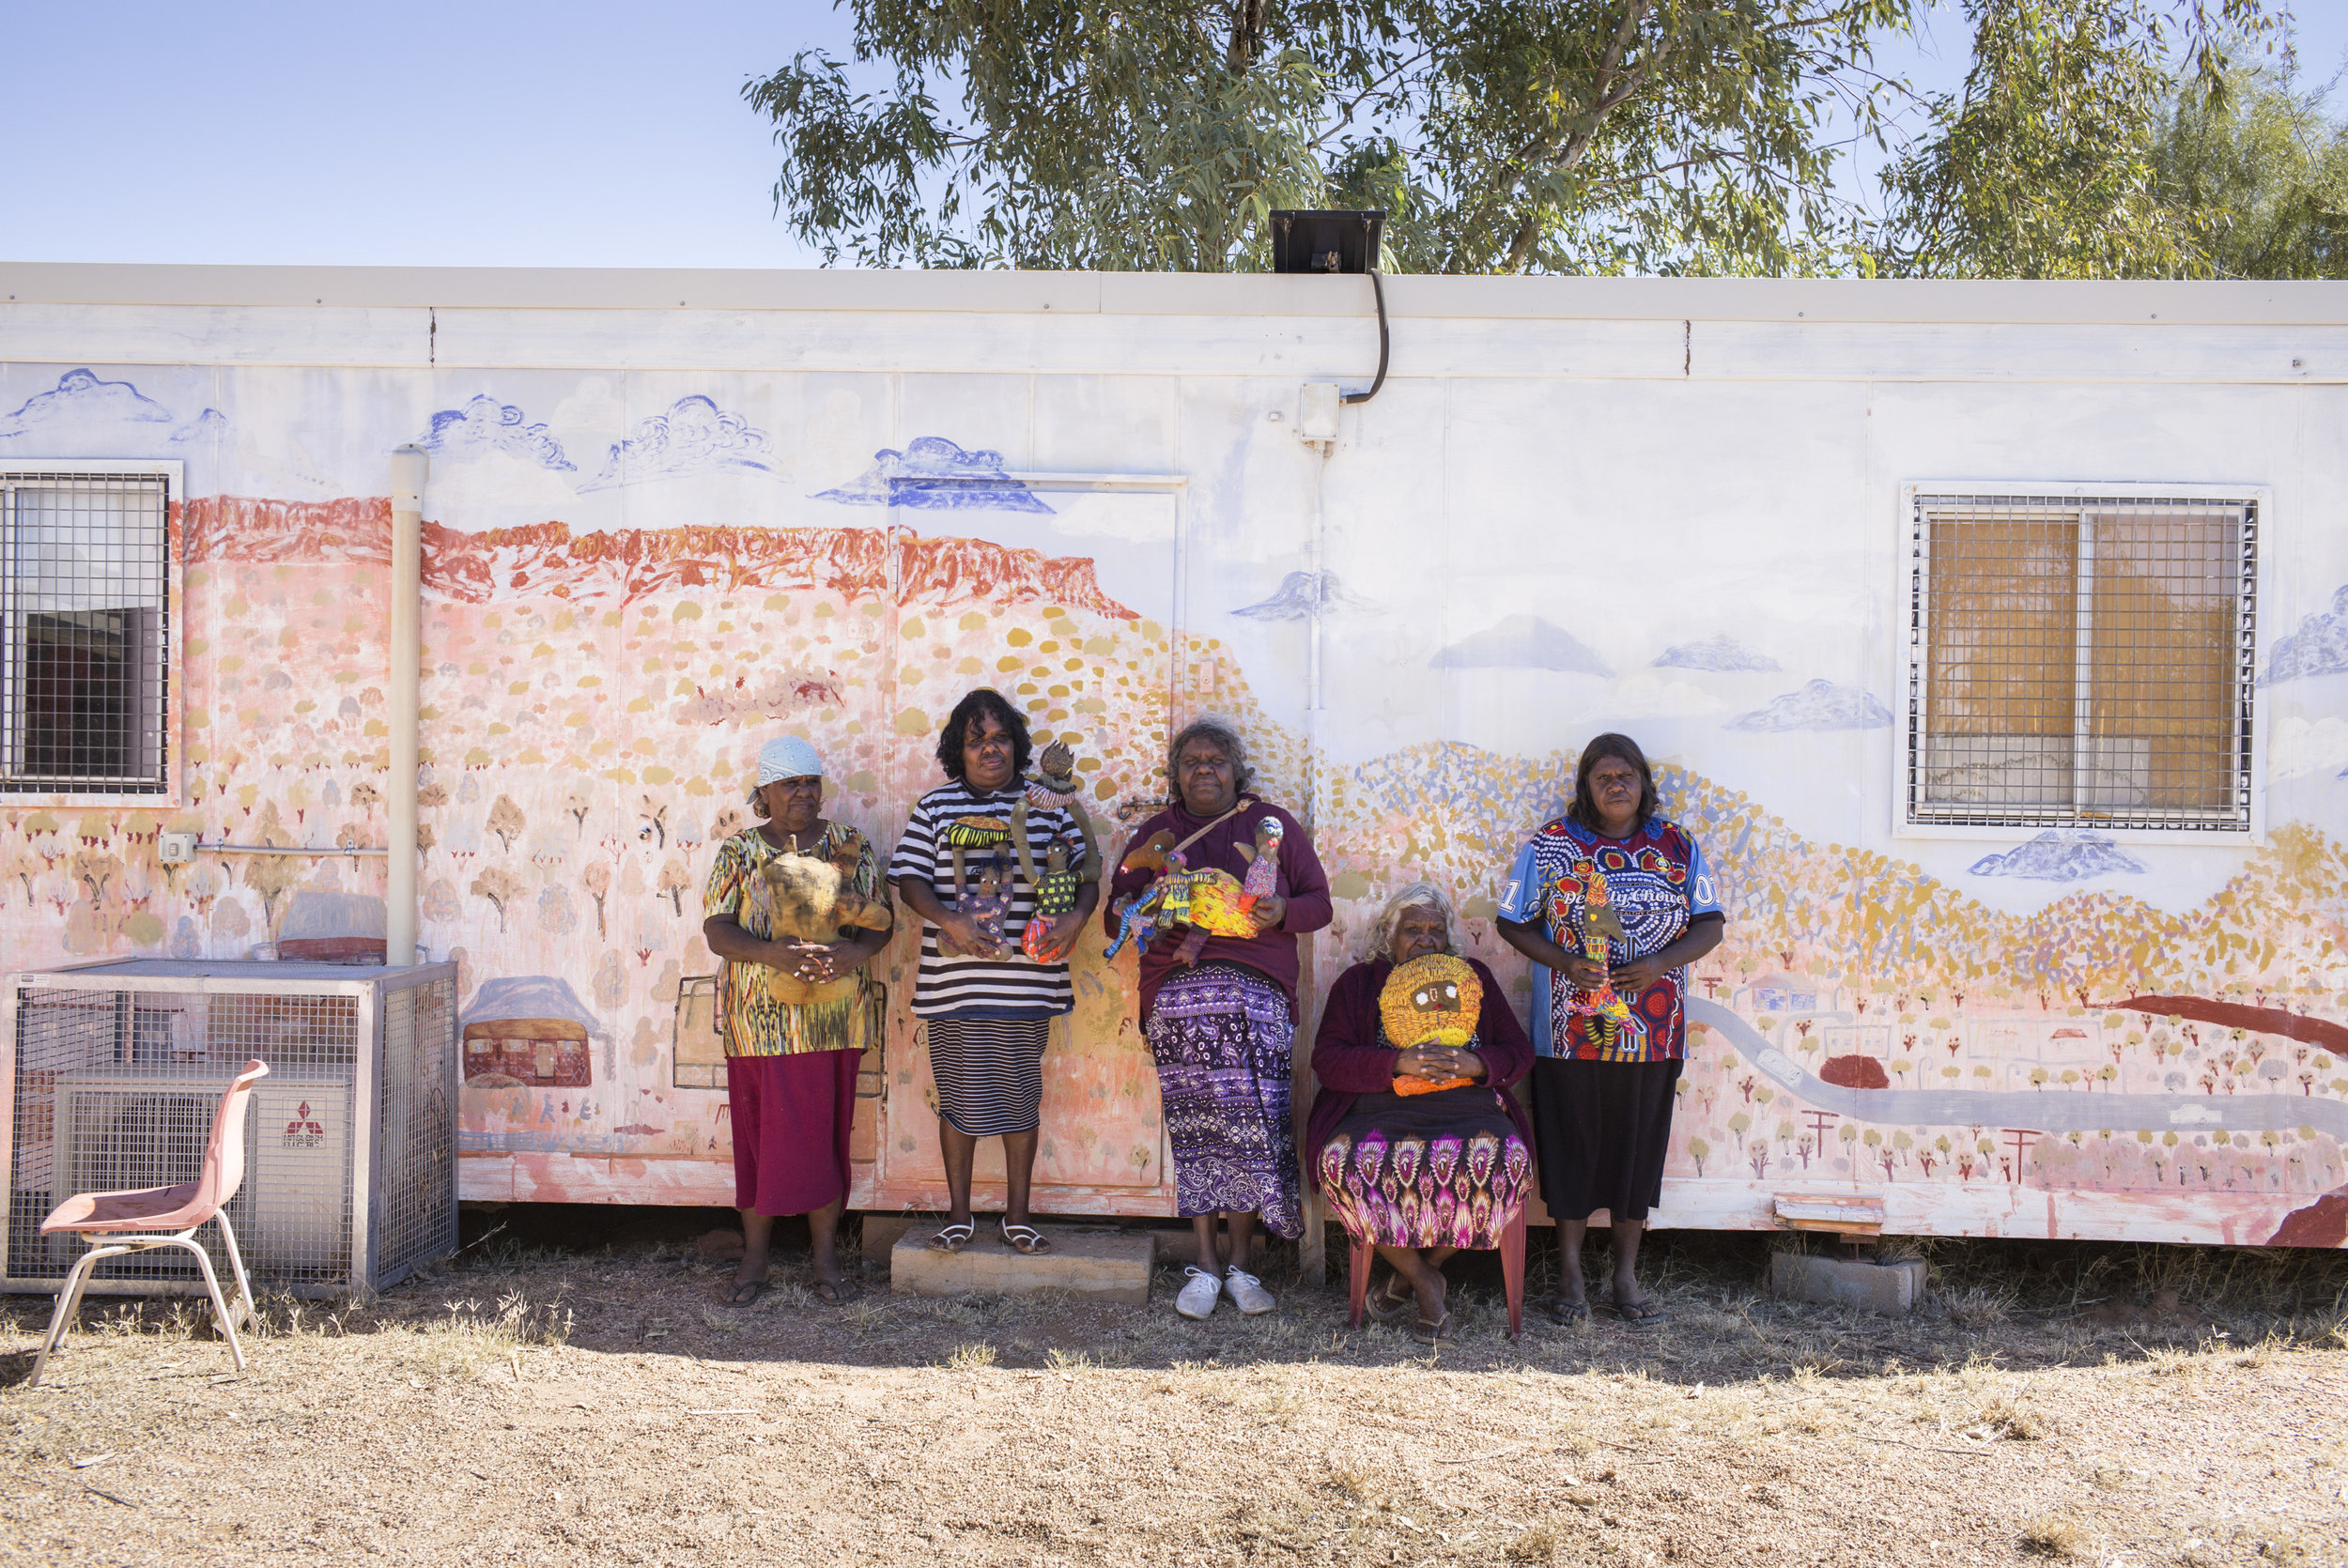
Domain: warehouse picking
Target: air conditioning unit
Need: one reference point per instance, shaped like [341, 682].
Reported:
[350, 1141]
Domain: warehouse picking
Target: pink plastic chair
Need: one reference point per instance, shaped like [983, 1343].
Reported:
[1511, 1274]
[117, 1223]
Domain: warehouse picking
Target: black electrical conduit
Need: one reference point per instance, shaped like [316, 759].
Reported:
[1378, 288]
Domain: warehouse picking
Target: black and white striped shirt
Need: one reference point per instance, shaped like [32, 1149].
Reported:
[1009, 982]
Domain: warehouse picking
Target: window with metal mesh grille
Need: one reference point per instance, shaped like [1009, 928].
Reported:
[84, 608]
[2081, 661]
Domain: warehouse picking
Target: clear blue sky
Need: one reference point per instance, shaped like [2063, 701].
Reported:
[484, 133]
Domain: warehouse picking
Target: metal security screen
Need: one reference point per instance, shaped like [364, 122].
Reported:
[2081, 661]
[350, 1139]
[82, 605]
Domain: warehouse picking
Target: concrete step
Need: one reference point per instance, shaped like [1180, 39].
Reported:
[1100, 1263]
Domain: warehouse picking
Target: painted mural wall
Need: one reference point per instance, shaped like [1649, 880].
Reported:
[633, 577]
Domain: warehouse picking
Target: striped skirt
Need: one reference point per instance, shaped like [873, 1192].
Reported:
[989, 1072]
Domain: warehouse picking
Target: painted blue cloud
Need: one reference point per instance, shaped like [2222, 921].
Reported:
[1293, 599]
[81, 397]
[2058, 854]
[1523, 642]
[212, 425]
[1821, 704]
[694, 437]
[2318, 647]
[1721, 653]
[932, 473]
[484, 425]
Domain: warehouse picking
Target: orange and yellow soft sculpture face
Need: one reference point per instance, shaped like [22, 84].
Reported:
[1431, 1001]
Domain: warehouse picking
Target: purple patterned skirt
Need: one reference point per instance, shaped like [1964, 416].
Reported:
[1222, 1036]
[1440, 1170]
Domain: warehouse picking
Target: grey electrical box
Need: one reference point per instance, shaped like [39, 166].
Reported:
[1317, 413]
[176, 849]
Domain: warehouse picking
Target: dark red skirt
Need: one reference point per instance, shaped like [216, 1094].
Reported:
[792, 1116]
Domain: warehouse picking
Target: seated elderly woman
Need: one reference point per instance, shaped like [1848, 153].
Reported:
[1417, 1148]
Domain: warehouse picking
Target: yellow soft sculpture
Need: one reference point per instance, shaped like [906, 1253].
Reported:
[1431, 1001]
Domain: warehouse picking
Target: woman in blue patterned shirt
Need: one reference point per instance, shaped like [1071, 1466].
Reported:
[1603, 1084]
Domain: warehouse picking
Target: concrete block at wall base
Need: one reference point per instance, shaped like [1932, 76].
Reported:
[881, 1231]
[1096, 1262]
[1833, 1281]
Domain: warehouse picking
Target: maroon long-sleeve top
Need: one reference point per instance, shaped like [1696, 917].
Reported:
[1350, 1058]
[1272, 954]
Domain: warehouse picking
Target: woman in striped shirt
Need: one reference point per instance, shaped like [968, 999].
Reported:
[986, 1007]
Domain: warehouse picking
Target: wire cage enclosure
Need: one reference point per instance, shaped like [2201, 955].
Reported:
[350, 1173]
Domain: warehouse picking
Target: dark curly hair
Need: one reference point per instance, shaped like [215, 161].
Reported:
[1584, 809]
[986, 700]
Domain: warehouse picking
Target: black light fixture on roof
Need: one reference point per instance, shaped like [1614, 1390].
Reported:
[1336, 242]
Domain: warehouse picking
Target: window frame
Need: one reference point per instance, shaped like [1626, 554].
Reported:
[1911, 656]
[169, 793]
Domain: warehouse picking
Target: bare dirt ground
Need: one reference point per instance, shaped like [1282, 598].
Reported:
[2101, 1405]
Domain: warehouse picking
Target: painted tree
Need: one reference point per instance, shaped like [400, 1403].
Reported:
[501, 887]
[596, 878]
[506, 822]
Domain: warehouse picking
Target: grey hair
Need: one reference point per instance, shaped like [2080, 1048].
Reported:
[1420, 893]
[1224, 733]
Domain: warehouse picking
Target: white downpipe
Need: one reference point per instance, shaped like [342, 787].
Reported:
[406, 625]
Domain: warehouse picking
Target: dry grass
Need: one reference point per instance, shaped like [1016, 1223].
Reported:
[531, 1406]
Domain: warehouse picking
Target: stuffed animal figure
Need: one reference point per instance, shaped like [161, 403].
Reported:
[1264, 863]
[1138, 923]
[811, 899]
[1150, 855]
[1055, 896]
[1218, 908]
[1431, 1001]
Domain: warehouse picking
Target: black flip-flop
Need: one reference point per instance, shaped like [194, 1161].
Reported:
[1385, 1306]
[730, 1294]
[1643, 1315]
[1567, 1314]
[837, 1292]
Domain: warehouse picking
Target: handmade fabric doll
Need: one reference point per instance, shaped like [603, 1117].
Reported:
[1217, 907]
[991, 902]
[1430, 1000]
[1598, 923]
[974, 833]
[1263, 864]
[1055, 896]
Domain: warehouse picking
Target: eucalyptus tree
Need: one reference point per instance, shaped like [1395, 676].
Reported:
[1500, 136]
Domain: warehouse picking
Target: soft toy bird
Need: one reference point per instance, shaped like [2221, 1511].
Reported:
[1217, 907]
[1434, 1000]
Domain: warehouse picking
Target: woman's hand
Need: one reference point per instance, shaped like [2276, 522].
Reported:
[1631, 979]
[1269, 911]
[1066, 929]
[1587, 972]
[1436, 1063]
[962, 936]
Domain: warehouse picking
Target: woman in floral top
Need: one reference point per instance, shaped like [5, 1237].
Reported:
[796, 1017]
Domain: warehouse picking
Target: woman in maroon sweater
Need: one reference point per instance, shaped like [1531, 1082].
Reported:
[1223, 1030]
[1419, 1175]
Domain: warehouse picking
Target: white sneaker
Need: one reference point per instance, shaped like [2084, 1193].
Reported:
[1247, 1291]
[1198, 1293]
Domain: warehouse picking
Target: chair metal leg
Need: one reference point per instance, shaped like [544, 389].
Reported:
[1513, 1271]
[1357, 1275]
[69, 1294]
[235, 1261]
[211, 1282]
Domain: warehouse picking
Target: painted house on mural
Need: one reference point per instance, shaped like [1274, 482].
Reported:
[1993, 639]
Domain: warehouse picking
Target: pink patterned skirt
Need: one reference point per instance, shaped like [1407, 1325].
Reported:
[1441, 1170]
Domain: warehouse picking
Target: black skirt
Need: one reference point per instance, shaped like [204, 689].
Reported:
[1602, 1131]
